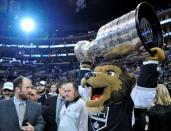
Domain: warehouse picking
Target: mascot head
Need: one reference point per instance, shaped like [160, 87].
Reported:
[109, 83]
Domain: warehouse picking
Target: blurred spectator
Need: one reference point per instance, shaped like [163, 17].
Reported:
[160, 113]
[33, 95]
[52, 109]
[1, 91]
[8, 90]
[85, 67]
[144, 91]
[42, 92]
[53, 89]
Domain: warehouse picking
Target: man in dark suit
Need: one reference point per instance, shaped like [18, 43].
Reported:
[18, 113]
[52, 108]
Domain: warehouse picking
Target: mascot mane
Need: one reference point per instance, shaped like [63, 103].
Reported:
[110, 83]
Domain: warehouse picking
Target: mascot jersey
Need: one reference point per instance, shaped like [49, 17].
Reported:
[115, 117]
[110, 106]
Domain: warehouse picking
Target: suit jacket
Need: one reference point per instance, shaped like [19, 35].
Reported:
[49, 113]
[9, 118]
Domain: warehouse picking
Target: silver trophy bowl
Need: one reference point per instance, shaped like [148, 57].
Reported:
[131, 32]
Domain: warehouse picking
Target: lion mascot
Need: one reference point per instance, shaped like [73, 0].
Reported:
[144, 92]
[110, 105]
[109, 102]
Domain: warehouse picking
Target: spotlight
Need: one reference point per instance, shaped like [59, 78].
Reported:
[27, 25]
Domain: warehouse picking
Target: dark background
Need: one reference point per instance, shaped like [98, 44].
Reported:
[60, 16]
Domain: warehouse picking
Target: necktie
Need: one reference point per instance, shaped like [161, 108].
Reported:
[58, 110]
[22, 109]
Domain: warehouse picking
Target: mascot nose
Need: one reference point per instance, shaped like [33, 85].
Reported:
[89, 74]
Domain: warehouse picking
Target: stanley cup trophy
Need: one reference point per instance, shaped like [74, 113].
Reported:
[137, 29]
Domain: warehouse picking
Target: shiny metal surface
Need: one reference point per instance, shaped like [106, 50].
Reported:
[118, 38]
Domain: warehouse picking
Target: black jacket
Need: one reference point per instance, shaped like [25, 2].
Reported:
[43, 98]
[49, 114]
[159, 118]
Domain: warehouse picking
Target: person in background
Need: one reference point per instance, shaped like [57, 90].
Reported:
[52, 108]
[8, 91]
[160, 112]
[53, 89]
[43, 95]
[18, 113]
[33, 95]
[145, 89]
[1, 93]
[73, 115]
[85, 67]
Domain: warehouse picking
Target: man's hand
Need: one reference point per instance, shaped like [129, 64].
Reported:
[29, 127]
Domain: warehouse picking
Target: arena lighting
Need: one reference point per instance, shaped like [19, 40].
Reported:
[167, 34]
[62, 55]
[71, 54]
[56, 46]
[45, 55]
[36, 55]
[70, 45]
[62, 45]
[48, 55]
[43, 46]
[27, 25]
[165, 21]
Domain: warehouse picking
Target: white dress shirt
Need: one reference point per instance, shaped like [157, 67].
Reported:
[74, 117]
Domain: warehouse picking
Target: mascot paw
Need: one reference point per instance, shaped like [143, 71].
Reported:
[85, 64]
[159, 54]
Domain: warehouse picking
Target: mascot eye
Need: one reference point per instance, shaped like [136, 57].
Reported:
[111, 73]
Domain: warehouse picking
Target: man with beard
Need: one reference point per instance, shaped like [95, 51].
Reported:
[42, 92]
[18, 113]
[7, 90]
